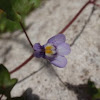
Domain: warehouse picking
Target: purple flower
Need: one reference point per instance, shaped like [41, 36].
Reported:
[54, 50]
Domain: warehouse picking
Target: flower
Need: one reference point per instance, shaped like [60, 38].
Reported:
[54, 50]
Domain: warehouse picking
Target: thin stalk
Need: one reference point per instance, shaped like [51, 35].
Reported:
[24, 63]
[26, 34]
[61, 32]
[70, 23]
[98, 5]
[27, 60]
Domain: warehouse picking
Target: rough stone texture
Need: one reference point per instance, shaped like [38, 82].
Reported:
[49, 82]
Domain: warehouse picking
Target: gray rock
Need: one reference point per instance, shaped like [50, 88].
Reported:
[47, 81]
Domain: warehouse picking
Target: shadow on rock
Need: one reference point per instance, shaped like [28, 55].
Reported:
[80, 91]
[29, 96]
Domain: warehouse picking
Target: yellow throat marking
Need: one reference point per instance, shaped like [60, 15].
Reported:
[48, 50]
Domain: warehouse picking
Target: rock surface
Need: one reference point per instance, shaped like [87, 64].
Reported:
[47, 81]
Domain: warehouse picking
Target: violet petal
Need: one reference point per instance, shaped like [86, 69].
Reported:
[57, 39]
[37, 54]
[63, 49]
[37, 47]
[59, 61]
[38, 50]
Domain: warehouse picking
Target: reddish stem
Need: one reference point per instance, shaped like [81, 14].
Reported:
[27, 60]
[70, 23]
[94, 2]
[61, 32]
[24, 63]
[97, 5]
[26, 34]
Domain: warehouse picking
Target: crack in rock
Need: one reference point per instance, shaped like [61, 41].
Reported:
[86, 23]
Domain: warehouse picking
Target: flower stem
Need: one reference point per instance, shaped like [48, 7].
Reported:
[27, 60]
[24, 63]
[68, 25]
[61, 32]
[94, 2]
[97, 5]
[26, 34]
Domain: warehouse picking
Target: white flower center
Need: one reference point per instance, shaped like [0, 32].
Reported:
[50, 50]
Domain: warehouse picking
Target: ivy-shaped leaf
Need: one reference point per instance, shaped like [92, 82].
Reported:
[13, 7]
[7, 7]
[15, 10]
[36, 2]
[6, 83]
[97, 95]
[93, 91]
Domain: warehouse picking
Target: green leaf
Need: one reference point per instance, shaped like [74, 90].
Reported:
[97, 95]
[6, 83]
[13, 7]
[7, 25]
[93, 91]
[7, 7]
[91, 88]
[15, 10]
[36, 3]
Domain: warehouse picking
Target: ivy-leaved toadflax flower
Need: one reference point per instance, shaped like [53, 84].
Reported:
[54, 50]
